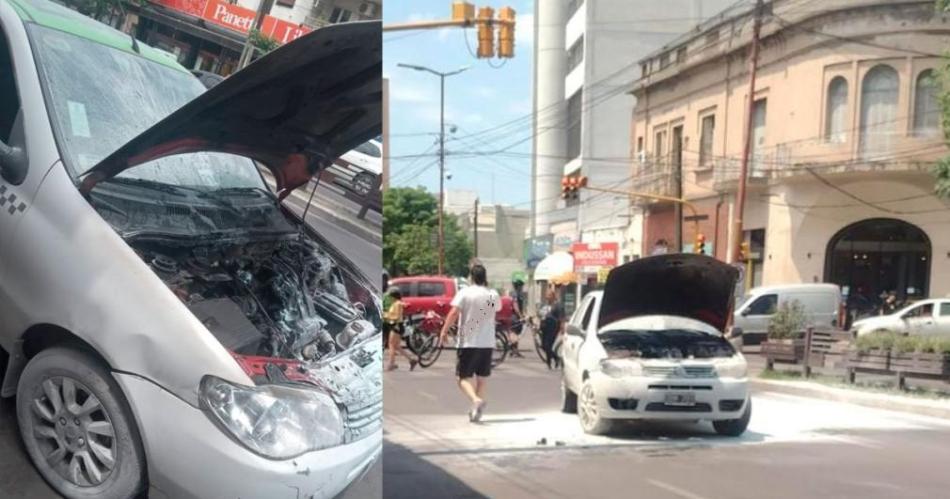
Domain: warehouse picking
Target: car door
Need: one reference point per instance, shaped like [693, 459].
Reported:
[575, 334]
[942, 319]
[919, 319]
[756, 315]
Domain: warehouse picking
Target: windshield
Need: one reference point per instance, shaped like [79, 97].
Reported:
[369, 149]
[665, 344]
[100, 97]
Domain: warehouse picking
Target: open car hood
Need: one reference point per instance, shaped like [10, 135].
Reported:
[295, 110]
[685, 285]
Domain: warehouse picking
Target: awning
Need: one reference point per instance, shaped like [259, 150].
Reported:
[557, 268]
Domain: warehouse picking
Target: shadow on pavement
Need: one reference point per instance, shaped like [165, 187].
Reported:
[408, 476]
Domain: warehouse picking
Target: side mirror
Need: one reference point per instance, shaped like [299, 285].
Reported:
[744, 312]
[12, 164]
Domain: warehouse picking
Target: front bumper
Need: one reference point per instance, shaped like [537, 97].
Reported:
[650, 393]
[189, 457]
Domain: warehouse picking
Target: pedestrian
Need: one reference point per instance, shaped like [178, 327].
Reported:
[518, 300]
[394, 327]
[552, 326]
[474, 308]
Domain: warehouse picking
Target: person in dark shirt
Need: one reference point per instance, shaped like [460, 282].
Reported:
[552, 325]
[518, 298]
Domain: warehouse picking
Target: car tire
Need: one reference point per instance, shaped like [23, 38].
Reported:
[568, 399]
[75, 423]
[588, 413]
[735, 427]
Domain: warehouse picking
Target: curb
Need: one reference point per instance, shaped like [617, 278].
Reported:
[872, 400]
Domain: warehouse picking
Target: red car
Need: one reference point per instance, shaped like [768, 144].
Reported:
[425, 293]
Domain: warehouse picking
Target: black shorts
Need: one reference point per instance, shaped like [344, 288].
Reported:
[474, 361]
[394, 327]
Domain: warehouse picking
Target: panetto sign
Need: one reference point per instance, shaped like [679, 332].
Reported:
[589, 256]
[237, 18]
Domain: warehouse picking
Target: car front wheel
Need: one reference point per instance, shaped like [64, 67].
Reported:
[77, 428]
[589, 414]
[735, 427]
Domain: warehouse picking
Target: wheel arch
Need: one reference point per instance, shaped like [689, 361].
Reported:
[34, 340]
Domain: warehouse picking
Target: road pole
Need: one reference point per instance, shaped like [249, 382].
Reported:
[475, 228]
[737, 235]
[441, 173]
[263, 8]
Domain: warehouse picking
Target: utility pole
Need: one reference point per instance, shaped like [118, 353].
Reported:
[737, 236]
[475, 228]
[263, 8]
[678, 185]
[442, 76]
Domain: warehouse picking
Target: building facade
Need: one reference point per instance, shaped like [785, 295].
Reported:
[586, 53]
[499, 235]
[845, 128]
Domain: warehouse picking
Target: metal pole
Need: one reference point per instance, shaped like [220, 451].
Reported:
[263, 8]
[744, 170]
[441, 174]
[475, 229]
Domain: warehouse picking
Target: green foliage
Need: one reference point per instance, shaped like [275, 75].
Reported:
[410, 235]
[898, 343]
[788, 321]
[262, 42]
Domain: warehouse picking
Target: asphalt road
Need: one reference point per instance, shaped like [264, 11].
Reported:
[795, 447]
[331, 215]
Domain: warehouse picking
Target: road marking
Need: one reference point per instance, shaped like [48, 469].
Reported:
[428, 396]
[674, 490]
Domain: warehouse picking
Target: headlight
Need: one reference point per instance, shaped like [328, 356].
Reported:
[277, 422]
[734, 369]
[620, 368]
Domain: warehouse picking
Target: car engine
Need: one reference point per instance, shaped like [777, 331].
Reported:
[284, 298]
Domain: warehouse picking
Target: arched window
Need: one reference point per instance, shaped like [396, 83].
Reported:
[837, 110]
[878, 111]
[926, 107]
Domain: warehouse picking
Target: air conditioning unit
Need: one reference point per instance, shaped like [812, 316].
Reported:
[368, 9]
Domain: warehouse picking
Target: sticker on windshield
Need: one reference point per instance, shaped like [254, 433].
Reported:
[78, 122]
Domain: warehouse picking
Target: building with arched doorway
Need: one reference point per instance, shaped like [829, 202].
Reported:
[845, 130]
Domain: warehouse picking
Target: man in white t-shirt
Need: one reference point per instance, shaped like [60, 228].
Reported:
[474, 308]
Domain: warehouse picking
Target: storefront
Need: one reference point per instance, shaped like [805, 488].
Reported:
[206, 35]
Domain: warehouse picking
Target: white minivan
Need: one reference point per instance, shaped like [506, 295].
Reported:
[822, 304]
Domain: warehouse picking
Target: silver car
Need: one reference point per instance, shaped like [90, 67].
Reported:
[171, 326]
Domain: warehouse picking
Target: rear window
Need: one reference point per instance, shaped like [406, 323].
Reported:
[405, 288]
[431, 289]
[665, 344]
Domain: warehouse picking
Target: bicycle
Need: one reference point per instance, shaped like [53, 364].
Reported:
[502, 346]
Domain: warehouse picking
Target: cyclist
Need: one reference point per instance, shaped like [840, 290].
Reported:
[518, 298]
[394, 328]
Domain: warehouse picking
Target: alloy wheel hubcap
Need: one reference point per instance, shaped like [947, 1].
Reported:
[73, 432]
[588, 407]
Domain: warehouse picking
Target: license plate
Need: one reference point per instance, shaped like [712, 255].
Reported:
[681, 399]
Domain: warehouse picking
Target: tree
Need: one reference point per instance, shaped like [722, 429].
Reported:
[410, 235]
[262, 42]
[942, 168]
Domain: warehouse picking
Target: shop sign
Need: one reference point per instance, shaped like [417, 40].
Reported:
[535, 249]
[588, 257]
[237, 18]
[563, 241]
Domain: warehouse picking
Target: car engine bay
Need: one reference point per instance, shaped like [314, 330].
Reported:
[284, 298]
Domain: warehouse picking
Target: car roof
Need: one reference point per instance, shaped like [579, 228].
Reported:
[797, 287]
[58, 17]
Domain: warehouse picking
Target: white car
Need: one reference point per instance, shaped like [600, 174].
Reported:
[360, 169]
[650, 346]
[922, 317]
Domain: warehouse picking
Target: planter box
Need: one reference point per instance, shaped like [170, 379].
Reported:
[933, 364]
[792, 351]
[875, 360]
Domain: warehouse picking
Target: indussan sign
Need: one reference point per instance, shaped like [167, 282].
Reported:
[236, 18]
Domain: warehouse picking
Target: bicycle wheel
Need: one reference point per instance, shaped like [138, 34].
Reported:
[416, 341]
[501, 348]
[429, 351]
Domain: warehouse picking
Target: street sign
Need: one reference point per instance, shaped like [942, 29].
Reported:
[588, 255]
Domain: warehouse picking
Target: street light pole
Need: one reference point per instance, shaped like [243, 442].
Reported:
[442, 76]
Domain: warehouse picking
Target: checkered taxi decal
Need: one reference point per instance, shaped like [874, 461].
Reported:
[9, 198]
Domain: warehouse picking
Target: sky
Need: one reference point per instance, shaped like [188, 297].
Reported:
[476, 100]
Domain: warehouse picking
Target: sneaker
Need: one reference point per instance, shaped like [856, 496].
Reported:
[413, 364]
[477, 412]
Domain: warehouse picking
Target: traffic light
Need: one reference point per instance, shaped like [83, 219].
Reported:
[506, 32]
[486, 33]
[700, 245]
[744, 250]
[463, 11]
[571, 185]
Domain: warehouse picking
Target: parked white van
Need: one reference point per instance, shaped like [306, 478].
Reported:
[822, 304]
